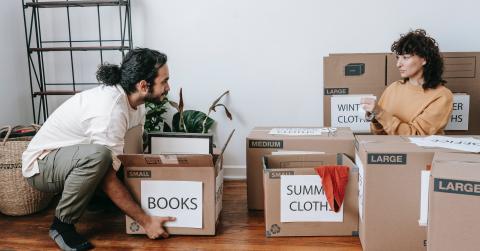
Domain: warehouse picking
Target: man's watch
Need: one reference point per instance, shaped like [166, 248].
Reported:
[369, 116]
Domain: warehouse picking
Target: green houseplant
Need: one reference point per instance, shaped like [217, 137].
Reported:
[188, 121]
[154, 118]
[193, 121]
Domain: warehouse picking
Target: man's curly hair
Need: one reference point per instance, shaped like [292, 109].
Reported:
[419, 43]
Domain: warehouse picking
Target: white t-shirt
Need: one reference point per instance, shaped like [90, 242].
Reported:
[101, 115]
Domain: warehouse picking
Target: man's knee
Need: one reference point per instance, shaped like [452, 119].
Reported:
[101, 157]
[102, 152]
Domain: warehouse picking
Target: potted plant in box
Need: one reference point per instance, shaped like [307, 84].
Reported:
[185, 121]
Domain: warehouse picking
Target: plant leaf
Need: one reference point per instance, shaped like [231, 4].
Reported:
[154, 116]
[166, 127]
[212, 107]
[174, 105]
[180, 103]
[176, 123]
[227, 112]
[180, 109]
[193, 122]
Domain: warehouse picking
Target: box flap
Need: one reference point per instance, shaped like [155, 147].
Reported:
[263, 133]
[220, 155]
[134, 140]
[293, 161]
[379, 138]
[164, 160]
[298, 160]
[463, 166]
[390, 143]
[226, 142]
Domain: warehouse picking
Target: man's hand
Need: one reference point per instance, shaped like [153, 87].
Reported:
[154, 226]
[119, 194]
[368, 104]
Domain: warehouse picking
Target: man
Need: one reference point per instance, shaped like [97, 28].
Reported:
[72, 152]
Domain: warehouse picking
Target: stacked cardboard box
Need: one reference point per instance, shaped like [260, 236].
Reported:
[295, 202]
[453, 221]
[389, 191]
[260, 143]
[347, 74]
[370, 73]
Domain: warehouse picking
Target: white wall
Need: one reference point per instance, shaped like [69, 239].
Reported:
[15, 104]
[269, 53]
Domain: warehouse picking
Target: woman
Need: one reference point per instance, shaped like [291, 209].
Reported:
[419, 104]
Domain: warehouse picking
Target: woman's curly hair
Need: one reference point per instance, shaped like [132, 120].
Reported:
[419, 43]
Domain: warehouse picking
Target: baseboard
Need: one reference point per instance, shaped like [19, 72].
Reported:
[235, 172]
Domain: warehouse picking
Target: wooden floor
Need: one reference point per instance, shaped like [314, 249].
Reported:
[239, 230]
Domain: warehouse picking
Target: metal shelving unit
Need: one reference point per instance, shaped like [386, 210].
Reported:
[36, 47]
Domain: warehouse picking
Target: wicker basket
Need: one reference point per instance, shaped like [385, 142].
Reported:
[17, 197]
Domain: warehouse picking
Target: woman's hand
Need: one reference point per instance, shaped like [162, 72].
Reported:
[368, 104]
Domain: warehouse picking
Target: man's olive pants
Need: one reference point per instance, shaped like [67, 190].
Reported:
[75, 172]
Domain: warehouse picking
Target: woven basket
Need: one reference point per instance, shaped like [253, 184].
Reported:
[17, 197]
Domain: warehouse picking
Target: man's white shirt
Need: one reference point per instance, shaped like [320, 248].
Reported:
[101, 115]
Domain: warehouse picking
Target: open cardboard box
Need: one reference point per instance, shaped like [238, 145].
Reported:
[308, 213]
[188, 187]
[260, 143]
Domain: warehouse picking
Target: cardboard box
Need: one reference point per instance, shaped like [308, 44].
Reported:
[462, 72]
[355, 73]
[389, 191]
[260, 143]
[311, 215]
[188, 187]
[336, 71]
[453, 221]
[392, 70]
[197, 208]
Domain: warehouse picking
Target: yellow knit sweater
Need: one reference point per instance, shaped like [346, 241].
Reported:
[405, 109]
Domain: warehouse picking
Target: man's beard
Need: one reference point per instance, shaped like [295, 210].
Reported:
[150, 98]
